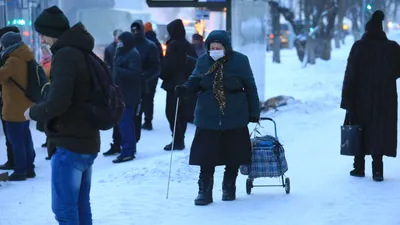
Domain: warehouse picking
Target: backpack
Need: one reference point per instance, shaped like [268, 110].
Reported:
[36, 81]
[106, 105]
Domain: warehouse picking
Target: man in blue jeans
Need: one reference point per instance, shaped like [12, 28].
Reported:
[63, 113]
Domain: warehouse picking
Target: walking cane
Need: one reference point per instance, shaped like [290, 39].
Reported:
[172, 145]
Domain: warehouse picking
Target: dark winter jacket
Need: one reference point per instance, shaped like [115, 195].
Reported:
[242, 102]
[127, 70]
[109, 54]
[369, 91]
[152, 36]
[150, 56]
[174, 70]
[63, 111]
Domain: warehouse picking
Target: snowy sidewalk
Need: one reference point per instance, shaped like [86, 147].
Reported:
[322, 192]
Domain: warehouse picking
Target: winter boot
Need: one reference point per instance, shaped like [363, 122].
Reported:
[377, 170]
[178, 145]
[44, 145]
[147, 126]
[229, 188]
[31, 174]
[115, 149]
[359, 167]
[17, 177]
[7, 166]
[205, 190]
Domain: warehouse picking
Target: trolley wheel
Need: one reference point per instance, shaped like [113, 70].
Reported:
[249, 185]
[287, 185]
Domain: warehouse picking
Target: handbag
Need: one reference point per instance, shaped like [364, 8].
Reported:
[351, 139]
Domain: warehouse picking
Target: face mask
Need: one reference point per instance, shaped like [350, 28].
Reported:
[120, 45]
[217, 54]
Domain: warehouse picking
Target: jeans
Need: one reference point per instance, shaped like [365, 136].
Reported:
[20, 138]
[71, 178]
[127, 131]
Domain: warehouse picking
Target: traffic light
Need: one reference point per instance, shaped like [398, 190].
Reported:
[369, 7]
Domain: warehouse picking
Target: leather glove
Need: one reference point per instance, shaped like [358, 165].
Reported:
[180, 91]
[254, 119]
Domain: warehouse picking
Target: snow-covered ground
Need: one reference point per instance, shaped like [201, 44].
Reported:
[323, 193]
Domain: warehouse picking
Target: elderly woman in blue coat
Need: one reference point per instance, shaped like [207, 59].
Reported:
[227, 102]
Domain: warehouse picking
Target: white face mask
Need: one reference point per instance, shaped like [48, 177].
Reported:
[120, 45]
[217, 54]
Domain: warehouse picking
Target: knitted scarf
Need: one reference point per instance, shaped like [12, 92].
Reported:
[218, 86]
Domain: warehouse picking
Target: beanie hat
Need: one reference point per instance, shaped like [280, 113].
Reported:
[375, 23]
[51, 22]
[10, 38]
[148, 27]
[8, 29]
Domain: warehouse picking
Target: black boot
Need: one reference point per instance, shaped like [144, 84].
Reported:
[115, 149]
[359, 167]
[229, 189]
[44, 145]
[178, 145]
[206, 184]
[377, 170]
[7, 166]
[17, 177]
[147, 126]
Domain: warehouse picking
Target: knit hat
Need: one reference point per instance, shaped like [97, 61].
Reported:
[10, 38]
[375, 23]
[148, 27]
[8, 29]
[52, 22]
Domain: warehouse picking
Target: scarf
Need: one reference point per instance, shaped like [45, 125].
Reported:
[218, 85]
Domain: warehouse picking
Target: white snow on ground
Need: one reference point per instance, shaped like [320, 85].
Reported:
[323, 193]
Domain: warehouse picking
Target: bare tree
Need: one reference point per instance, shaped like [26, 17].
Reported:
[276, 31]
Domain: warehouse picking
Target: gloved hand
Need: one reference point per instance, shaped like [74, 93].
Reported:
[180, 91]
[254, 119]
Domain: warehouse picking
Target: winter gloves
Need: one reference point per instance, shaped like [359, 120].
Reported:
[180, 91]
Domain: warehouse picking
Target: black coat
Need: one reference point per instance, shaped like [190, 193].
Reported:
[63, 110]
[127, 72]
[109, 54]
[152, 36]
[369, 91]
[150, 57]
[174, 71]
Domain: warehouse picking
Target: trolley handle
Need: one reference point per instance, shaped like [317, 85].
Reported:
[273, 121]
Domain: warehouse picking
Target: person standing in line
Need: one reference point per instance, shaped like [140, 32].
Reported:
[64, 112]
[150, 68]
[109, 56]
[16, 55]
[127, 74]
[178, 64]
[148, 98]
[227, 102]
[369, 95]
[9, 165]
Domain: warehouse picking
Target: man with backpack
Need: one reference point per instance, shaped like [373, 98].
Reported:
[178, 64]
[16, 56]
[65, 112]
[9, 165]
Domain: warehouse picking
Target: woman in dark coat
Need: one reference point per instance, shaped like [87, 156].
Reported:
[227, 102]
[370, 95]
[127, 74]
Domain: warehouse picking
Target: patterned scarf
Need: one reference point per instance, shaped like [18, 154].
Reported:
[218, 86]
